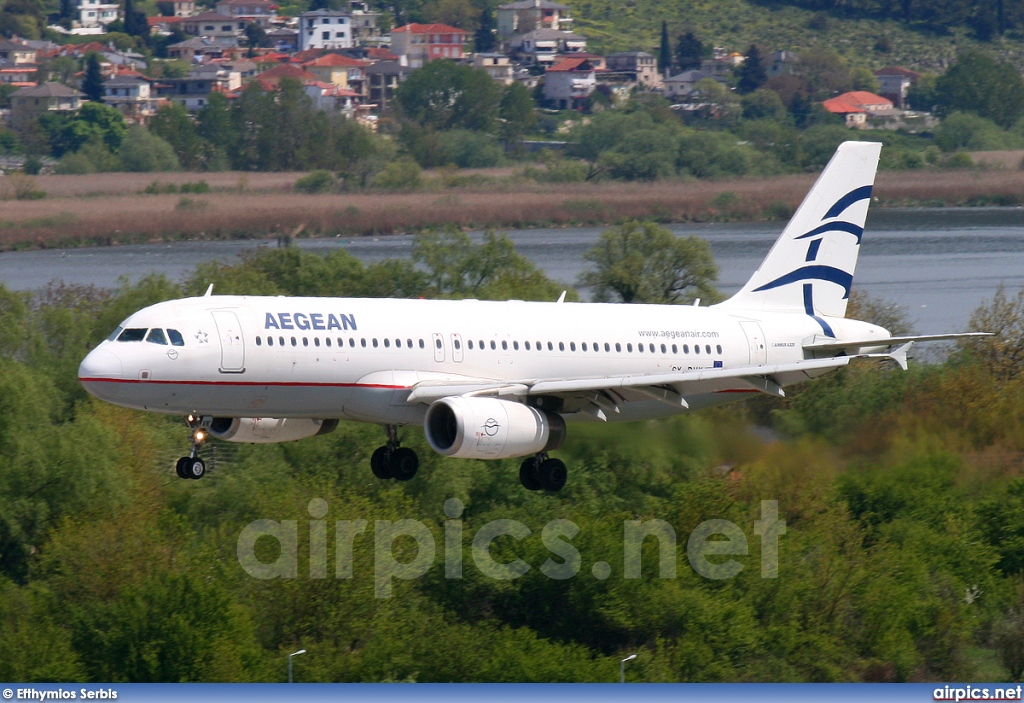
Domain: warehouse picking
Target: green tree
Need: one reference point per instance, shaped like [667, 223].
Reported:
[457, 13]
[142, 151]
[825, 73]
[516, 112]
[135, 23]
[966, 131]
[484, 40]
[92, 83]
[763, 104]
[978, 83]
[641, 262]
[446, 95]
[751, 74]
[690, 51]
[665, 50]
[173, 124]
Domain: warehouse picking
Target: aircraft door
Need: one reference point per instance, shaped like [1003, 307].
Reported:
[457, 350]
[755, 342]
[232, 344]
[438, 342]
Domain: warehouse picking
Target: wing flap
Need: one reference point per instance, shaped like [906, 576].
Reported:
[833, 345]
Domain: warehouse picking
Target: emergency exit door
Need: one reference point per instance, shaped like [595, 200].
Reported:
[232, 344]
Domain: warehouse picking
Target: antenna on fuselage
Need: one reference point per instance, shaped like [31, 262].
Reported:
[561, 298]
[209, 291]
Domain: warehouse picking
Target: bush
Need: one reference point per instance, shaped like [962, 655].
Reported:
[142, 152]
[969, 132]
[713, 155]
[404, 174]
[468, 149]
[32, 166]
[158, 188]
[24, 188]
[559, 171]
[315, 182]
[194, 187]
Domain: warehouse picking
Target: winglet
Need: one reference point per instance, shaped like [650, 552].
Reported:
[209, 291]
[899, 354]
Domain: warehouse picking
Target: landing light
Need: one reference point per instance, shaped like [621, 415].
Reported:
[199, 436]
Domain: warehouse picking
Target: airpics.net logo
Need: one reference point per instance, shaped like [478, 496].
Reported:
[709, 547]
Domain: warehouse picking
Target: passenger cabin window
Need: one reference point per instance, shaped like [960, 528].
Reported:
[176, 339]
[156, 336]
[132, 334]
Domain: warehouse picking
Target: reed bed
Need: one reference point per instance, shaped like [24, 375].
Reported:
[110, 220]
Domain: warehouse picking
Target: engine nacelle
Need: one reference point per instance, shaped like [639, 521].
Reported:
[488, 428]
[266, 430]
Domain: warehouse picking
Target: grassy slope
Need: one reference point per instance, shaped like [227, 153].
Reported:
[612, 25]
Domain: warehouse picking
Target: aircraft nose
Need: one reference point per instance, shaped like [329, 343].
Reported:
[100, 363]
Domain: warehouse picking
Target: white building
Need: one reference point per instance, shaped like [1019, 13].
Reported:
[325, 29]
[97, 14]
[527, 15]
[569, 83]
[542, 46]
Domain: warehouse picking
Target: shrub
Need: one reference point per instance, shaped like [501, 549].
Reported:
[404, 174]
[315, 182]
[967, 131]
[467, 149]
[158, 188]
[143, 152]
[32, 166]
[197, 187]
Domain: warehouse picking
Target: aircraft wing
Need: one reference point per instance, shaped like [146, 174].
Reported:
[669, 387]
[831, 344]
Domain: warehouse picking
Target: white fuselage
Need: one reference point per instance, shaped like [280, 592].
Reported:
[345, 358]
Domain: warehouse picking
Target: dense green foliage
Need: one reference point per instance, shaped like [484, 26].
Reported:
[902, 559]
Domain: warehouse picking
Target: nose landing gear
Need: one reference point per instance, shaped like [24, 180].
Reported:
[542, 473]
[192, 466]
[393, 461]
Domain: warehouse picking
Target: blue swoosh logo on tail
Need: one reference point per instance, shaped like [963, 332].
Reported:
[813, 273]
[856, 195]
[839, 226]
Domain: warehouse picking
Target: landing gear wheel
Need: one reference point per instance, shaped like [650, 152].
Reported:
[380, 464]
[528, 474]
[404, 463]
[194, 467]
[552, 475]
[179, 468]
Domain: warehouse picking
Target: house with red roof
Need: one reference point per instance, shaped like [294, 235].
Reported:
[857, 105]
[417, 44]
[569, 82]
[342, 71]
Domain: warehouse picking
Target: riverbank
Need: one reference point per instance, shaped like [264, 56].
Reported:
[262, 205]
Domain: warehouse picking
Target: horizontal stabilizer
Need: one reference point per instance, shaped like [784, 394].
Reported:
[833, 345]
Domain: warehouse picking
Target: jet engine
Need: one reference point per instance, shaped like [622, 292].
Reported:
[266, 430]
[488, 428]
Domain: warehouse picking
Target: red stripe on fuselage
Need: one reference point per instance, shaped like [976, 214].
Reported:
[246, 383]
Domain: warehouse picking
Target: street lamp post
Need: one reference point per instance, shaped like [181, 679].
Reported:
[301, 651]
[622, 667]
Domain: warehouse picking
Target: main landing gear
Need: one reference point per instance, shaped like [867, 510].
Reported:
[192, 466]
[393, 461]
[542, 473]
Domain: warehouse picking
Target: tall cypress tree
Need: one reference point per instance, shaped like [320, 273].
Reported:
[752, 74]
[665, 55]
[92, 84]
[483, 39]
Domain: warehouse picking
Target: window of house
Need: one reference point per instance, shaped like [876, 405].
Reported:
[325, 35]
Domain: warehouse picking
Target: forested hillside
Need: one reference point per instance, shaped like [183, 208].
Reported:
[903, 557]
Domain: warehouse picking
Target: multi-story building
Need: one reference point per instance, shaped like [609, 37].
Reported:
[342, 71]
[213, 24]
[96, 14]
[194, 90]
[569, 83]
[132, 97]
[527, 15]
[498, 66]
[262, 12]
[325, 29]
[28, 103]
[16, 53]
[637, 67]
[895, 82]
[383, 79]
[542, 46]
[417, 44]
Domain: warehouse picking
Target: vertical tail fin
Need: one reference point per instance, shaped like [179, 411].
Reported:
[810, 267]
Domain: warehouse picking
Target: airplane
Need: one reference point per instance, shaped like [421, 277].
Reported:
[500, 379]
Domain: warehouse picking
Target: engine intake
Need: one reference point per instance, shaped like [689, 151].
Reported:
[488, 428]
[267, 430]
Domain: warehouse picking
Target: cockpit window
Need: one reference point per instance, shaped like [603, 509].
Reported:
[114, 334]
[132, 335]
[176, 338]
[156, 336]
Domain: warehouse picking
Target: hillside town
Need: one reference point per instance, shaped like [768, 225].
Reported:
[347, 64]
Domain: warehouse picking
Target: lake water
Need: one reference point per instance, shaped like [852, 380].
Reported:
[938, 263]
